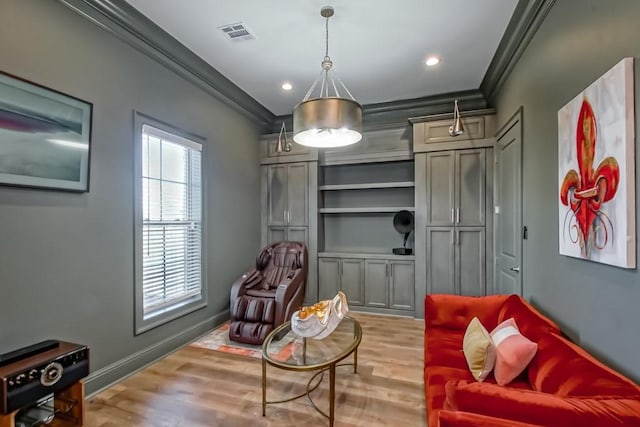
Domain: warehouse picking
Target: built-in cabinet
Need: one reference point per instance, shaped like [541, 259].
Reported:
[371, 282]
[290, 234]
[401, 285]
[454, 203]
[360, 189]
[456, 187]
[289, 202]
[456, 260]
[288, 194]
[341, 203]
[342, 274]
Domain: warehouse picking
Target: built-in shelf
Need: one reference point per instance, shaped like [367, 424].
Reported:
[380, 209]
[367, 255]
[364, 186]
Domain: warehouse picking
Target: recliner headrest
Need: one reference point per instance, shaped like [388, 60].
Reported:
[283, 254]
[262, 260]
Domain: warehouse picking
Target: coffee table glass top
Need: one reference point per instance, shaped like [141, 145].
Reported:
[296, 353]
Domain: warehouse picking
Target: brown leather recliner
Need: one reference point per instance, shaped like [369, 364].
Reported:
[267, 295]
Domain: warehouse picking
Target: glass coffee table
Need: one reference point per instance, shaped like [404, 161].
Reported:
[294, 353]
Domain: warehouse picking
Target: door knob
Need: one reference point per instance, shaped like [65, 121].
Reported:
[516, 269]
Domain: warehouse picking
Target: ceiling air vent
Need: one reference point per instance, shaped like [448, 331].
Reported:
[237, 32]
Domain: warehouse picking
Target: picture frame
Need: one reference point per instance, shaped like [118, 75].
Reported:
[596, 171]
[45, 137]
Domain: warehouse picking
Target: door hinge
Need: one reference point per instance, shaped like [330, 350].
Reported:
[525, 233]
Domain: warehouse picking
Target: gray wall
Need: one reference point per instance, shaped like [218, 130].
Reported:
[66, 260]
[597, 305]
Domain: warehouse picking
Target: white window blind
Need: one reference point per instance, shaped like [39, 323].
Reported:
[171, 220]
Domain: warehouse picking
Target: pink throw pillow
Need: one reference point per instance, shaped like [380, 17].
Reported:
[513, 351]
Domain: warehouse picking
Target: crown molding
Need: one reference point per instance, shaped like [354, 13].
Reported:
[449, 116]
[397, 113]
[125, 22]
[524, 23]
[128, 24]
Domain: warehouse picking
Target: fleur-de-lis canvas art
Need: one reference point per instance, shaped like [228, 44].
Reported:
[596, 171]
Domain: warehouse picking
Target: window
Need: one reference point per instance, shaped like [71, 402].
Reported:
[169, 234]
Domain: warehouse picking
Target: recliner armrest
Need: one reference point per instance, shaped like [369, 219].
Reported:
[289, 295]
[247, 280]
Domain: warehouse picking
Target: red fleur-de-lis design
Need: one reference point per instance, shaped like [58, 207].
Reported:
[586, 191]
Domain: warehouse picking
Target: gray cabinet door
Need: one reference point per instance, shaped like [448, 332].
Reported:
[402, 285]
[376, 276]
[470, 261]
[277, 194]
[297, 193]
[328, 277]
[440, 188]
[470, 187]
[441, 260]
[298, 234]
[277, 234]
[352, 280]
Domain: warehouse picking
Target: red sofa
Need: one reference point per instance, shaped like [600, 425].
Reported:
[562, 386]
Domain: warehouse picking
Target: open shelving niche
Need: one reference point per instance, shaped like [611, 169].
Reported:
[356, 205]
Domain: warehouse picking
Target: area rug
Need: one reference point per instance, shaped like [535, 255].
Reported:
[218, 340]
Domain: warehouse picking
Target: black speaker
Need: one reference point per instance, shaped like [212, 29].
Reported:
[403, 223]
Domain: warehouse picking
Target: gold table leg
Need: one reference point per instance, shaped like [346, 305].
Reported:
[304, 351]
[355, 361]
[332, 393]
[264, 386]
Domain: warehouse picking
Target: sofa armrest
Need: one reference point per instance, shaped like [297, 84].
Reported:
[456, 311]
[542, 408]
[289, 295]
[469, 419]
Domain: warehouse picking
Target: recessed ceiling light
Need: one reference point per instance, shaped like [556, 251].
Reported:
[432, 60]
[287, 86]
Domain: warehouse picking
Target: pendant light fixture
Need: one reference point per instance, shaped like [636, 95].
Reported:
[328, 119]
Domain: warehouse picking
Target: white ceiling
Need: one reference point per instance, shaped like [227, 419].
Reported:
[378, 47]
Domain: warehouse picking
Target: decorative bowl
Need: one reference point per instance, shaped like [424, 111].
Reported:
[322, 318]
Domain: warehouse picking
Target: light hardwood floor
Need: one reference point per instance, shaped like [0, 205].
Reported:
[197, 387]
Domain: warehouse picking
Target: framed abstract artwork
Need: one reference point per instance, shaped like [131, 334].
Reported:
[596, 171]
[45, 137]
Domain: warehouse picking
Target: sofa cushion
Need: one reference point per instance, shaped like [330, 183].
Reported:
[513, 351]
[443, 347]
[469, 419]
[533, 325]
[455, 312]
[542, 408]
[435, 378]
[478, 349]
[564, 369]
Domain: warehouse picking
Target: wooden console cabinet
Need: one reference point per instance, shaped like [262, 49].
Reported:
[68, 405]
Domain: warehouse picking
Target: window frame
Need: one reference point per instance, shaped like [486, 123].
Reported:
[144, 323]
